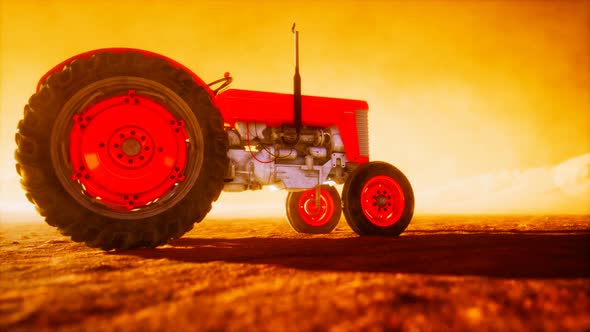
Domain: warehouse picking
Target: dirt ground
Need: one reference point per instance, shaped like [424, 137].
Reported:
[451, 273]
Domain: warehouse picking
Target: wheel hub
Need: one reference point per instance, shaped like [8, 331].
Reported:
[382, 201]
[131, 147]
[311, 213]
[128, 151]
[312, 209]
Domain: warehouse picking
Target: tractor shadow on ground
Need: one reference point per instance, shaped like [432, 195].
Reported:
[506, 255]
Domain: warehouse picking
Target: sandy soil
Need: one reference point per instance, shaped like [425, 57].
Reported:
[444, 273]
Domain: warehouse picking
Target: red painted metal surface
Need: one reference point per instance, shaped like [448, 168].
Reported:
[89, 54]
[127, 151]
[276, 109]
[312, 214]
[382, 201]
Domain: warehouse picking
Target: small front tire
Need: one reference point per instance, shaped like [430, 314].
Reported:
[305, 217]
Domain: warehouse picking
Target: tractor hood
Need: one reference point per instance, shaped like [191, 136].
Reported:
[276, 109]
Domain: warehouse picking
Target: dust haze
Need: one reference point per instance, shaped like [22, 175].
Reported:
[484, 105]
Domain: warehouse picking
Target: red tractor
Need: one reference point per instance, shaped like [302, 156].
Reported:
[122, 148]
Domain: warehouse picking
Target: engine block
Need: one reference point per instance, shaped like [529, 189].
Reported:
[261, 155]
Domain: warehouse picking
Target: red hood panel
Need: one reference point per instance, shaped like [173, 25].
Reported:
[277, 108]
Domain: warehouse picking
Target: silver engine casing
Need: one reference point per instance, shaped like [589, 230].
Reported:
[318, 158]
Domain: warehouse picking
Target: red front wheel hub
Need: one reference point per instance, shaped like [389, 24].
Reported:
[127, 151]
[382, 201]
[311, 212]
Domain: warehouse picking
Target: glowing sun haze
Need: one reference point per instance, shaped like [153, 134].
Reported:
[480, 103]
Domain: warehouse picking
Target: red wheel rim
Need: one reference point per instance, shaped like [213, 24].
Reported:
[310, 213]
[382, 201]
[127, 151]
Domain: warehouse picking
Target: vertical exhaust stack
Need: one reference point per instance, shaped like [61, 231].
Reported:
[296, 85]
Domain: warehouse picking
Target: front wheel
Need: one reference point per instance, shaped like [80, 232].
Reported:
[308, 213]
[378, 200]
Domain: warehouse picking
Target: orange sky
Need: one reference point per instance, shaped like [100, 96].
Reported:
[456, 89]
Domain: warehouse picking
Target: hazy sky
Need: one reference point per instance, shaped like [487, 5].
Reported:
[456, 89]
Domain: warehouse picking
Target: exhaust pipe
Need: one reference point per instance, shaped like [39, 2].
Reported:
[296, 85]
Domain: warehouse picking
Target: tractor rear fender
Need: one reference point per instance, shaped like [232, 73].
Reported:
[89, 54]
[275, 109]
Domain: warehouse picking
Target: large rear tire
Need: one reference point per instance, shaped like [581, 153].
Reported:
[121, 150]
[378, 200]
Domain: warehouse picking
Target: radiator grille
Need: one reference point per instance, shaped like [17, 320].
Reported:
[362, 127]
